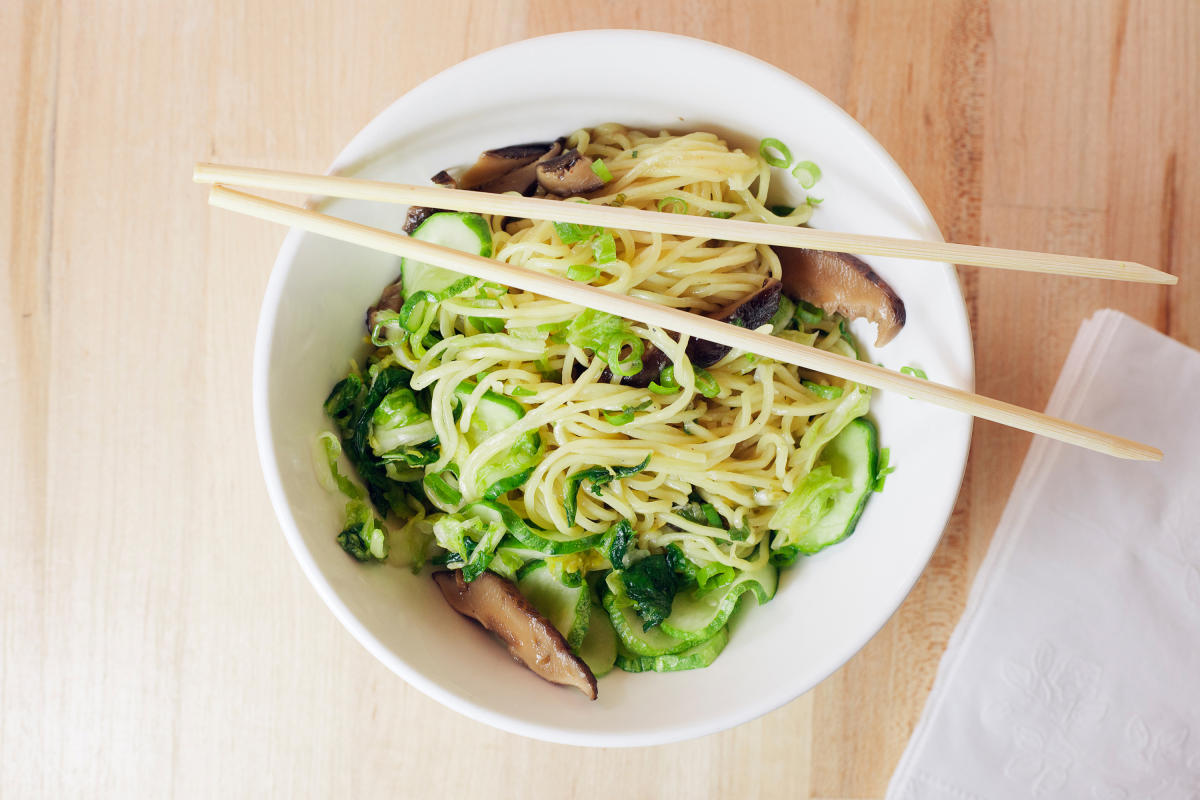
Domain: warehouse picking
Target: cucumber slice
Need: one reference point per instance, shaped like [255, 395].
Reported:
[567, 607]
[458, 230]
[697, 657]
[494, 413]
[696, 619]
[599, 648]
[628, 626]
[852, 454]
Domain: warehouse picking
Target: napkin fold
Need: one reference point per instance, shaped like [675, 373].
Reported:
[1075, 669]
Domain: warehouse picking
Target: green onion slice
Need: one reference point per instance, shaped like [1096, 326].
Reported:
[678, 205]
[601, 170]
[706, 384]
[807, 173]
[583, 272]
[782, 157]
[823, 391]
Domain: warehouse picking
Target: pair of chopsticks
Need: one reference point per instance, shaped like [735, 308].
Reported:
[682, 322]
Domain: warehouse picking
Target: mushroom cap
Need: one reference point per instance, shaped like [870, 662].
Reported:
[523, 178]
[568, 174]
[840, 283]
[493, 164]
[497, 604]
[390, 299]
[752, 311]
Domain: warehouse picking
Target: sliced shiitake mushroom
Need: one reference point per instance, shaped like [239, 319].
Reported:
[494, 164]
[499, 606]
[752, 311]
[522, 179]
[391, 299]
[568, 174]
[840, 283]
[506, 169]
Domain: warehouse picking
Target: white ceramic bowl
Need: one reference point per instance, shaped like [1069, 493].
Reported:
[829, 605]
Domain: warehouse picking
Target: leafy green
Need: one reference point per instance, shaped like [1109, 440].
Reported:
[598, 477]
[397, 422]
[651, 585]
[343, 398]
[626, 414]
[363, 536]
[607, 336]
[806, 505]
[571, 233]
[616, 543]
[352, 411]
[471, 538]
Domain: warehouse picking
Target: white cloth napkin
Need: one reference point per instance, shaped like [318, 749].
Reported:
[1075, 670]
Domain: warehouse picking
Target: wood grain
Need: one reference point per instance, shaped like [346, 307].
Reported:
[156, 637]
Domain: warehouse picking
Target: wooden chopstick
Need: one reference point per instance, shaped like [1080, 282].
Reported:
[510, 205]
[649, 313]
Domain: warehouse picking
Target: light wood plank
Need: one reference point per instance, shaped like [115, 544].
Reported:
[157, 638]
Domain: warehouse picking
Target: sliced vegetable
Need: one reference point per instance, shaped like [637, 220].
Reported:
[842, 284]
[567, 607]
[775, 153]
[696, 615]
[697, 657]
[495, 413]
[599, 647]
[830, 510]
[500, 607]
[454, 229]
[628, 625]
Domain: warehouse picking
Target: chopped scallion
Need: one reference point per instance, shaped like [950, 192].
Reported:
[883, 470]
[721, 214]
[915, 372]
[675, 204]
[521, 391]
[602, 172]
[583, 272]
[807, 173]
[823, 391]
[706, 384]
[807, 313]
[782, 157]
[605, 248]
[570, 233]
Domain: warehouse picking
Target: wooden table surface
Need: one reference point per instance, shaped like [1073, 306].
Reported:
[156, 636]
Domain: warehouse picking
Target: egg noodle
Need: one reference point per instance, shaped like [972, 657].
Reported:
[743, 449]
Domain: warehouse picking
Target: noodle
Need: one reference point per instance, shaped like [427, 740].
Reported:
[742, 451]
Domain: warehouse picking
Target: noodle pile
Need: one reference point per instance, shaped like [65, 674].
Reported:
[743, 450]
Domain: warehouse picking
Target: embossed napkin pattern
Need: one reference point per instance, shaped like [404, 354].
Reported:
[1075, 670]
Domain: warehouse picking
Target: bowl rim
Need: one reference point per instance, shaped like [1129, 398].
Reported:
[264, 339]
